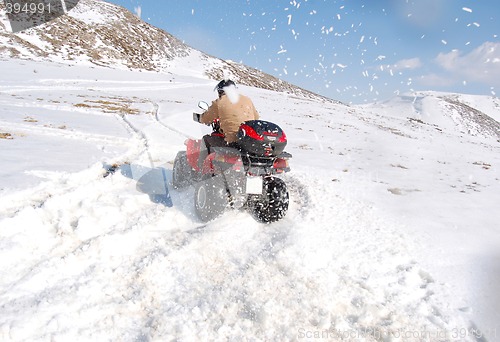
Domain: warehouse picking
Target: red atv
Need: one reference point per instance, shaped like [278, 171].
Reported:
[237, 177]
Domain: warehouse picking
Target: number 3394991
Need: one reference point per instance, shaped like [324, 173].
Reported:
[32, 8]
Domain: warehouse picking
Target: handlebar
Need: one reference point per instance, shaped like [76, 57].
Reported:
[196, 117]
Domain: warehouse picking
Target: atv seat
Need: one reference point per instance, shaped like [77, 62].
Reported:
[209, 142]
[214, 141]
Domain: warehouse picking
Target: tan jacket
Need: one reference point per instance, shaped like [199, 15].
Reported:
[231, 115]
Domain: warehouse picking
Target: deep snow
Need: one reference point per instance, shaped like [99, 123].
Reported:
[392, 231]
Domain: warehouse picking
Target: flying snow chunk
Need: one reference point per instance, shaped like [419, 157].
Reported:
[283, 50]
[138, 11]
[232, 93]
[466, 9]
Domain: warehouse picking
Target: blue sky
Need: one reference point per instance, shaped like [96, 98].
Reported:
[355, 51]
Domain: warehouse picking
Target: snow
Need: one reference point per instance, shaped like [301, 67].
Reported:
[232, 93]
[392, 232]
[96, 16]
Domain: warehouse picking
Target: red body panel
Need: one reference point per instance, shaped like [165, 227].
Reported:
[193, 153]
[206, 166]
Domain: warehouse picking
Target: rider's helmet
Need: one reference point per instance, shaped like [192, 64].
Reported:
[223, 84]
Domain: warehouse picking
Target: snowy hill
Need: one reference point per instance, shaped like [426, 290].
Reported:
[469, 115]
[392, 232]
[99, 33]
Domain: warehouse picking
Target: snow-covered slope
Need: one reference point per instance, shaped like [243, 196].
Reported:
[95, 32]
[392, 232]
[469, 115]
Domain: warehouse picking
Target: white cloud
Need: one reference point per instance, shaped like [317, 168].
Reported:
[480, 65]
[412, 63]
[404, 64]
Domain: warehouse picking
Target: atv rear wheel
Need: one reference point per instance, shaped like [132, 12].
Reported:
[275, 203]
[210, 198]
[182, 172]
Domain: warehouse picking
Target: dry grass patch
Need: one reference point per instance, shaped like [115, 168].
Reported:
[30, 119]
[6, 136]
[110, 105]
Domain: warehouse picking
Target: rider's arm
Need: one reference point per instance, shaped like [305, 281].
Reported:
[210, 115]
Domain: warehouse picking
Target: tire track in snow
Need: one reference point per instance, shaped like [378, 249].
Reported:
[170, 128]
[37, 197]
[64, 182]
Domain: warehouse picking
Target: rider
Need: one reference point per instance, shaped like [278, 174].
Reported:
[232, 109]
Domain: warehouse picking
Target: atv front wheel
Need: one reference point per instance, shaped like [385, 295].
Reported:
[274, 205]
[210, 198]
[182, 172]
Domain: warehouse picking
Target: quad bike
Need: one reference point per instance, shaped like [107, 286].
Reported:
[241, 176]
